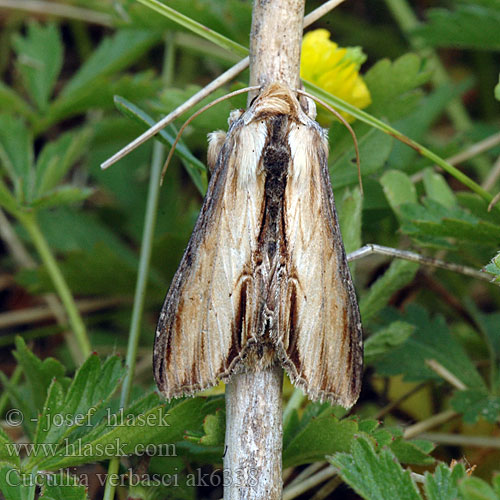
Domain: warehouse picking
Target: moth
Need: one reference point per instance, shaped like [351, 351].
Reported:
[264, 278]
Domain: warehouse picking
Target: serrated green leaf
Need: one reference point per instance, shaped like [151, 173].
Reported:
[435, 220]
[39, 60]
[317, 436]
[194, 167]
[11, 484]
[398, 189]
[375, 476]
[494, 267]
[399, 274]
[443, 483]
[66, 491]
[392, 86]
[409, 452]
[214, 427]
[468, 26]
[57, 157]
[158, 427]
[16, 155]
[475, 404]
[473, 488]
[431, 340]
[437, 189]
[39, 374]
[91, 387]
[386, 339]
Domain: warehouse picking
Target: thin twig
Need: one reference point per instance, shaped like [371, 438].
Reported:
[424, 425]
[471, 152]
[445, 373]
[40, 7]
[221, 80]
[415, 257]
[493, 175]
[307, 472]
[297, 489]
[462, 440]
[327, 489]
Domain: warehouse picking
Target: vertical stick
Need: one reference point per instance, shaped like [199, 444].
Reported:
[254, 433]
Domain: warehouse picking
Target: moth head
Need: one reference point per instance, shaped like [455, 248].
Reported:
[308, 106]
[234, 116]
[275, 99]
[215, 142]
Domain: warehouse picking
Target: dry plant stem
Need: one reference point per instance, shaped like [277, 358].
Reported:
[415, 257]
[297, 489]
[206, 91]
[36, 314]
[254, 434]
[441, 418]
[446, 374]
[462, 440]
[327, 489]
[52, 8]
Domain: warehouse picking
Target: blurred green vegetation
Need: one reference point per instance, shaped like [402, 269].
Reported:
[79, 81]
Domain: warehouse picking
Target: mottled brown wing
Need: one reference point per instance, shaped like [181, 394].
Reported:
[206, 320]
[322, 340]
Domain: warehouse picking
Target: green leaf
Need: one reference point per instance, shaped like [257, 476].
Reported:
[112, 55]
[470, 26]
[12, 102]
[39, 374]
[392, 86]
[350, 212]
[399, 274]
[443, 483]
[57, 157]
[473, 488]
[398, 189]
[474, 404]
[494, 267]
[411, 452]
[497, 89]
[63, 195]
[375, 476]
[91, 387]
[437, 189]
[196, 27]
[39, 61]
[431, 340]
[8, 452]
[11, 484]
[194, 167]
[8, 201]
[432, 219]
[214, 427]
[65, 491]
[317, 436]
[16, 155]
[383, 341]
[374, 149]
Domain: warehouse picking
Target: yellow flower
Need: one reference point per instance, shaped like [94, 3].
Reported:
[334, 69]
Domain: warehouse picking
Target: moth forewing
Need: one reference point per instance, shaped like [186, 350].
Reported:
[264, 277]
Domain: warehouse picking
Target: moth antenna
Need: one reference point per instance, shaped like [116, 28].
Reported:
[192, 117]
[346, 124]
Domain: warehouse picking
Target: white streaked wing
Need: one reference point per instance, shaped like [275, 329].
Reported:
[206, 318]
[322, 339]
